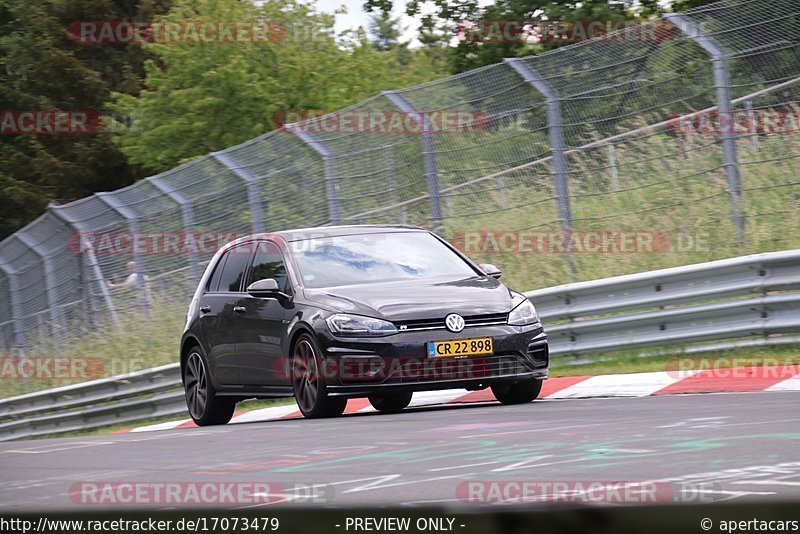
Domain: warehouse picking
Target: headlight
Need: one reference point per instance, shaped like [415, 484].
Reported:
[343, 324]
[523, 314]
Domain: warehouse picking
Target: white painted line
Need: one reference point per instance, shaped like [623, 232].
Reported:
[463, 466]
[768, 482]
[270, 413]
[376, 485]
[44, 449]
[790, 384]
[627, 385]
[161, 426]
[426, 398]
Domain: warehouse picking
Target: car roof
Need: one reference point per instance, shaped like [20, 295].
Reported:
[325, 231]
[352, 229]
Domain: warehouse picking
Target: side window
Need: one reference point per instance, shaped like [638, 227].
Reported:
[268, 263]
[233, 271]
[213, 283]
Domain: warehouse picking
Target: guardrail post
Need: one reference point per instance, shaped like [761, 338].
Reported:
[253, 194]
[86, 248]
[187, 214]
[428, 153]
[19, 341]
[558, 162]
[722, 86]
[133, 226]
[331, 180]
[57, 324]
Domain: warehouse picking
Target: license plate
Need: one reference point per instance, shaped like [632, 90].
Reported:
[460, 347]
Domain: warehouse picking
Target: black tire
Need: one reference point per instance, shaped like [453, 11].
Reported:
[310, 389]
[204, 406]
[391, 403]
[517, 392]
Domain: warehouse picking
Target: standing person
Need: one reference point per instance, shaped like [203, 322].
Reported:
[133, 281]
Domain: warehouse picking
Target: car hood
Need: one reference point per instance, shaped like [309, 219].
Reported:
[418, 299]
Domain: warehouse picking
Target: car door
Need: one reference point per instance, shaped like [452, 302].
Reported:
[218, 315]
[262, 324]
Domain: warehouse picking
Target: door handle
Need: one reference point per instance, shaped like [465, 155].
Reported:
[239, 309]
[205, 309]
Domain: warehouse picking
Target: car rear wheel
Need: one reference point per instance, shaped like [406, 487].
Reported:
[308, 382]
[201, 399]
[391, 403]
[518, 392]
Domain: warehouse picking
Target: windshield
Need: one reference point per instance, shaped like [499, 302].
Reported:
[363, 258]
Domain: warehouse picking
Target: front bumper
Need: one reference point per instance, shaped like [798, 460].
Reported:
[362, 366]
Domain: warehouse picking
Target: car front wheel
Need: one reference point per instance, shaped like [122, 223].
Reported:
[201, 399]
[390, 403]
[518, 392]
[308, 381]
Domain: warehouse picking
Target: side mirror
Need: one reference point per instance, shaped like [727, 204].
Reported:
[490, 270]
[266, 288]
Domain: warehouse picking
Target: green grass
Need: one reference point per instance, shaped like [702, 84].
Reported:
[677, 191]
[631, 363]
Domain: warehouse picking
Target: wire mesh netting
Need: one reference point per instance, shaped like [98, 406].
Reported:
[473, 156]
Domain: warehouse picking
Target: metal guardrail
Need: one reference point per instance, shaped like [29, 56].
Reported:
[738, 302]
[729, 301]
[88, 405]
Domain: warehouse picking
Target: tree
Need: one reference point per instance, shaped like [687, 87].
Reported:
[435, 36]
[42, 70]
[204, 98]
[385, 31]
[478, 50]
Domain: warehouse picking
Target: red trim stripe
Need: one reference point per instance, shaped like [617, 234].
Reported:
[550, 386]
[354, 405]
[732, 379]
[554, 385]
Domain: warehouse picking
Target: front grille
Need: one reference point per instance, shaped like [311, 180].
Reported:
[469, 320]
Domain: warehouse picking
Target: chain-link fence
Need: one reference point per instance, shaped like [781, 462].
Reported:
[643, 149]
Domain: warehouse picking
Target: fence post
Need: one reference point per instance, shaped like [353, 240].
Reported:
[187, 214]
[133, 226]
[12, 274]
[57, 324]
[85, 247]
[558, 162]
[428, 153]
[612, 164]
[727, 136]
[331, 180]
[253, 195]
[751, 124]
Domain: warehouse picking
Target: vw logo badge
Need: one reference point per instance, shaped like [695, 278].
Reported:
[454, 322]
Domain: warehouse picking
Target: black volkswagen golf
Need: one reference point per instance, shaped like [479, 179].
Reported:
[326, 314]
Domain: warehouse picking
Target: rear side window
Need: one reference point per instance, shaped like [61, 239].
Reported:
[268, 263]
[232, 273]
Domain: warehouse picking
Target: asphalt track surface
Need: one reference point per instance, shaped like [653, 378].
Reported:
[703, 448]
